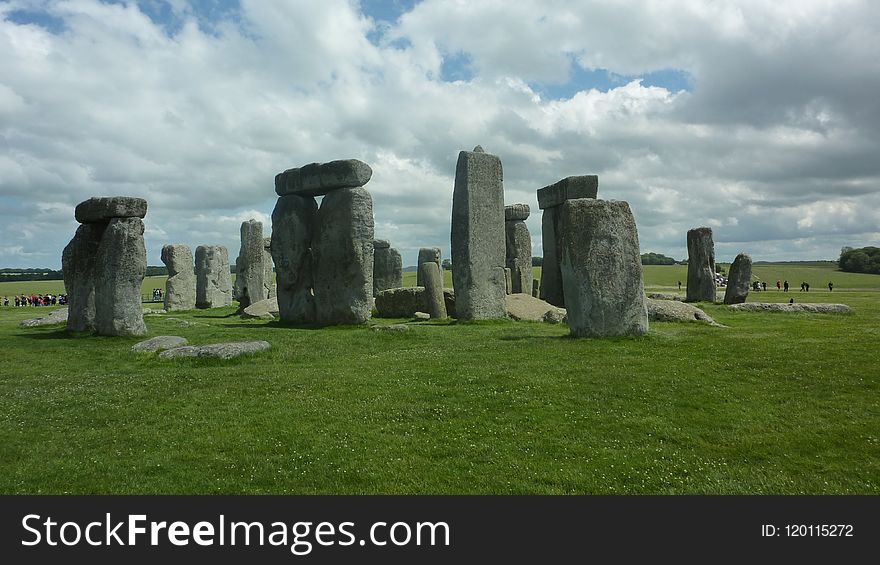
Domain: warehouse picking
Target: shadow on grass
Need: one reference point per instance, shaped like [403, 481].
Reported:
[60, 333]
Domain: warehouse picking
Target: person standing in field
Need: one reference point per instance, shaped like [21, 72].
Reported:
[764, 286]
[777, 285]
[679, 285]
[830, 286]
[785, 286]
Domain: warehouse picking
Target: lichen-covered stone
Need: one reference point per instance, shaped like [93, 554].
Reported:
[180, 286]
[120, 266]
[701, 265]
[318, 179]
[738, 280]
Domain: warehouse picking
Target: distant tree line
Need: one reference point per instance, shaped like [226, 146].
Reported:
[651, 258]
[12, 275]
[861, 260]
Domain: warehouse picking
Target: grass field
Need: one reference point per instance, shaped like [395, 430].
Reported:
[773, 403]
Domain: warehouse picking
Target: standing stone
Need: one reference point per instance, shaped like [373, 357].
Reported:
[701, 265]
[602, 269]
[738, 280]
[250, 268]
[293, 223]
[180, 288]
[78, 266]
[268, 268]
[478, 247]
[550, 198]
[519, 247]
[428, 254]
[536, 288]
[342, 247]
[433, 277]
[508, 281]
[213, 279]
[120, 266]
[387, 267]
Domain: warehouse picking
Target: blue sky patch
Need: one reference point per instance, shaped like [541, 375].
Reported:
[46, 21]
[604, 80]
[457, 66]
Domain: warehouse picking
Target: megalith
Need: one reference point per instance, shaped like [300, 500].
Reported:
[550, 198]
[120, 266]
[180, 287]
[738, 280]
[250, 268]
[601, 269]
[387, 267]
[435, 302]
[104, 265]
[268, 268]
[293, 221]
[478, 246]
[213, 277]
[428, 254]
[701, 265]
[78, 267]
[519, 247]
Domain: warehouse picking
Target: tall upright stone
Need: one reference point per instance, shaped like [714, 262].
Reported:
[268, 268]
[78, 267]
[478, 246]
[180, 287]
[250, 278]
[550, 198]
[387, 267]
[427, 254]
[120, 266]
[342, 247]
[435, 303]
[701, 265]
[293, 224]
[738, 280]
[519, 247]
[601, 269]
[213, 278]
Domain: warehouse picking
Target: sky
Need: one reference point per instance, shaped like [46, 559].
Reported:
[759, 119]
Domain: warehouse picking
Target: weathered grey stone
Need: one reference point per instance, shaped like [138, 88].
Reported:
[404, 302]
[555, 316]
[427, 254]
[213, 278]
[102, 210]
[519, 255]
[58, 316]
[421, 316]
[266, 309]
[250, 279]
[180, 287]
[159, 343]
[524, 307]
[508, 281]
[293, 225]
[665, 296]
[583, 186]
[798, 307]
[602, 269]
[317, 179]
[387, 267]
[515, 212]
[738, 280]
[390, 328]
[676, 311]
[78, 266]
[216, 350]
[185, 323]
[120, 266]
[436, 305]
[478, 246]
[381, 244]
[268, 268]
[343, 253]
[551, 274]
[701, 265]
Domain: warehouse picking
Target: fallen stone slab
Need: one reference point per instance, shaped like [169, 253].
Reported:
[216, 350]
[526, 307]
[675, 311]
[317, 179]
[665, 296]
[785, 307]
[102, 210]
[554, 316]
[54, 317]
[159, 343]
[266, 309]
[391, 328]
[422, 316]
[406, 301]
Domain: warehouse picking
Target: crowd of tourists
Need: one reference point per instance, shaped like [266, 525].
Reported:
[35, 300]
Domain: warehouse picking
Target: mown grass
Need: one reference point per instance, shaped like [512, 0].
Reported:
[774, 403]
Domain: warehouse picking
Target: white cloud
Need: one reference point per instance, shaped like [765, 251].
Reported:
[776, 142]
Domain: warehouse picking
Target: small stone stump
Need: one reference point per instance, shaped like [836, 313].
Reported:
[738, 280]
[434, 300]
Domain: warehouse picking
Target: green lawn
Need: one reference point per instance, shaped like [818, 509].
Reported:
[774, 403]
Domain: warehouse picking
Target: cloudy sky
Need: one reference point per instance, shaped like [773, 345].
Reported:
[760, 119]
